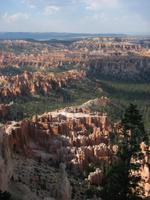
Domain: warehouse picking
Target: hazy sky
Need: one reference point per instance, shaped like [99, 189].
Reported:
[92, 16]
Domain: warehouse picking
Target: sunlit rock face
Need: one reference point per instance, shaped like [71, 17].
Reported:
[64, 129]
[73, 136]
[36, 83]
[96, 177]
[145, 170]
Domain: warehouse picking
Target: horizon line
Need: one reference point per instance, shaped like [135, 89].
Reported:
[64, 32]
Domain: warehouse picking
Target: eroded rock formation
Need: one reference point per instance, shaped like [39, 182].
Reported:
[73, 136]
[96, 177]
[119, 58]
[36, 83]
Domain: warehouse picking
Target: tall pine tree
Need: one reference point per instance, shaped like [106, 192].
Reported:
[121, 182]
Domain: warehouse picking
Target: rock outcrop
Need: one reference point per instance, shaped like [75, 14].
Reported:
[96, 177]
[145, 170]
[73, 136]
[6, 166]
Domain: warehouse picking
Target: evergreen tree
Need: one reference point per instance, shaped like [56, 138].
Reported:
[120, 182]
[5, 196]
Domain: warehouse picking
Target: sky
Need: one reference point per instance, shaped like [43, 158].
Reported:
[76, 16]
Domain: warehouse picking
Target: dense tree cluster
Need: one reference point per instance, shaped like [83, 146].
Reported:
[120, 183]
